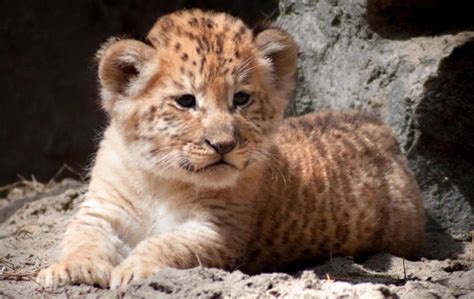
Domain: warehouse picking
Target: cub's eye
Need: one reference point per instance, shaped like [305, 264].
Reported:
[186, 101]
[241, 99]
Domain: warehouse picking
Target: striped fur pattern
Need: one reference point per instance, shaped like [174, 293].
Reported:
[164, 193]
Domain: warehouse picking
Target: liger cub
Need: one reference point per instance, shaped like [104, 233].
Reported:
[198, 167]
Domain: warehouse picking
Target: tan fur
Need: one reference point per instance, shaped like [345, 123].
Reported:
[321, 184]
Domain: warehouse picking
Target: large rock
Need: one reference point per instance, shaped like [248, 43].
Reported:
[411, 63]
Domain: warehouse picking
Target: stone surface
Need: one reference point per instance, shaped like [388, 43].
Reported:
[409, 65]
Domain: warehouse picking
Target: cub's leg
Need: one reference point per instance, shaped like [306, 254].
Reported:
[90, 248]
[191, 244]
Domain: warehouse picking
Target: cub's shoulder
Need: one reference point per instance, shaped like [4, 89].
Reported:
[333, 125]
[324, 122]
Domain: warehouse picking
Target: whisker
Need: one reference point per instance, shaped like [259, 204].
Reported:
[263, 155]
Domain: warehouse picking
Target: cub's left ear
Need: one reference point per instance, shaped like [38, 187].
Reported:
[121, 67]
[277, 45]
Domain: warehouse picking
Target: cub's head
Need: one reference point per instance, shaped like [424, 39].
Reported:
[200, 101]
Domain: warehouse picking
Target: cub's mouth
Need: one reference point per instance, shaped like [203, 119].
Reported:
[218, 165]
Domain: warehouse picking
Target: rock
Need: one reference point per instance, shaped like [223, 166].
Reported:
[405, 64]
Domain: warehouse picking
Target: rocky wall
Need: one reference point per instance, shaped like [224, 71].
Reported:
[411, 63]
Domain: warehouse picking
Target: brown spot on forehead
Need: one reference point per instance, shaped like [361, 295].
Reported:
[219, 43]
[193, 22]
[208, 23]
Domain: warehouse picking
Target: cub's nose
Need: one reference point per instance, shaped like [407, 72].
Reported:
[222, 147]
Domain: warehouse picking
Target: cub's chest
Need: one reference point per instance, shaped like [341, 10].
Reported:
[163, 214]
[164, 217]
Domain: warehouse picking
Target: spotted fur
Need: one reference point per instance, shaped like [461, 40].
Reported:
[163, 192]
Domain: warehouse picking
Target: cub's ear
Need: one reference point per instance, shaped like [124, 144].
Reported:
[280, 48]
[121, 68]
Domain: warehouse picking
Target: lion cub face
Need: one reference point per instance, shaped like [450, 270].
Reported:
[200, 102]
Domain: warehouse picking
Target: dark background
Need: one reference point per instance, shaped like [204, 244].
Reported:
[49, 106]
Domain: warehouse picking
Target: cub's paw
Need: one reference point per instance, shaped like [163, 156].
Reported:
[80, 271]
[130, 271]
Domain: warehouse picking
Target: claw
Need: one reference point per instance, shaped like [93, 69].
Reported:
[63, 273]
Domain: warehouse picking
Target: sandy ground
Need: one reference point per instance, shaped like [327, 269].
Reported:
[33, 217]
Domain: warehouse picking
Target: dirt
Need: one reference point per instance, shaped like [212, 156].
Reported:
[33, 217]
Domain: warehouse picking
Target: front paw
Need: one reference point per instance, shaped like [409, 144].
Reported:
[74, 272]
[129, 271]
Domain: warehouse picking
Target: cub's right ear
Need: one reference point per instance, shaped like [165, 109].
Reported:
[121, 69]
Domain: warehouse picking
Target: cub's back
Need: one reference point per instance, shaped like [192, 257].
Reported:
[339, 184]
